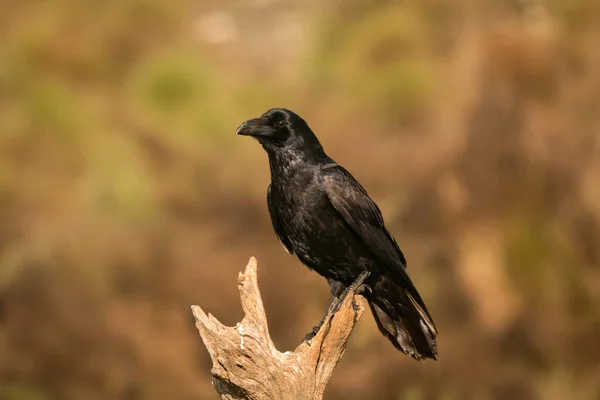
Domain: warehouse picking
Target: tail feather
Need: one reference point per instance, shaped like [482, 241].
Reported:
[425, 317]
[404, 323]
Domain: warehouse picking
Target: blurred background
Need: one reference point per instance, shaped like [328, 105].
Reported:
[125, 196]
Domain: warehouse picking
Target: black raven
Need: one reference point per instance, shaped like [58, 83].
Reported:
[324, 216]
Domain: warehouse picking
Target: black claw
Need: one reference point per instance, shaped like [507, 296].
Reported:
[312, 333]
[355, 286]
[309, 337]
[355, 306]
[363, 289]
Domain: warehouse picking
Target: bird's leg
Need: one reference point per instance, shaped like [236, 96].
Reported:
[337, 290]
[333, 306]
[357, 287]
[363, 290]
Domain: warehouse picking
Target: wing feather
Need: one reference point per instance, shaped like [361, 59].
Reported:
[362, 215]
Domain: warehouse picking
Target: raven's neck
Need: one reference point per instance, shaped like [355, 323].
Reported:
[285, 163]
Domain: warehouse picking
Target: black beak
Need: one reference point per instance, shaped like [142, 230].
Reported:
[252, 127]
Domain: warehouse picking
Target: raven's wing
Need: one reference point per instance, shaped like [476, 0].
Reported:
[363, 216]
[351, 200]
[277, 227]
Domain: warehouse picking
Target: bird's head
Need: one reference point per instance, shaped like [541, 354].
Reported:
[279, 129]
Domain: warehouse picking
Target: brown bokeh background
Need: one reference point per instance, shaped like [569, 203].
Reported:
[125, 196]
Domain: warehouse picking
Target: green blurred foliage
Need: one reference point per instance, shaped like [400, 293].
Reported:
[382, 59]
[16, 392]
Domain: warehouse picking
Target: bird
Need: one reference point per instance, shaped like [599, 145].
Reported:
[325, 217]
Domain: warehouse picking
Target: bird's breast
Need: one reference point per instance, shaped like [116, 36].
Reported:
[302, 206]
[317, 232]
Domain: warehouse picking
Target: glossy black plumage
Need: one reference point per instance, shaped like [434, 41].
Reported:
[325, 217]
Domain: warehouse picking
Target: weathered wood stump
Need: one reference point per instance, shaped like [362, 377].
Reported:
[246, 364]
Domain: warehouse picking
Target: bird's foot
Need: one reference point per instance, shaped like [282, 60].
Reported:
[355, 305]
[358, 286]
[363, 289]
[310, 336]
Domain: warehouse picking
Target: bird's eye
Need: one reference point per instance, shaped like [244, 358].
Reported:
[280, 123]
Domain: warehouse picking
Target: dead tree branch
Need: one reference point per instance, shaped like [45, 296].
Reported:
[246, 364]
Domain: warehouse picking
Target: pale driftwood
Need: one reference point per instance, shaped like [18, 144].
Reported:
[246, 364]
